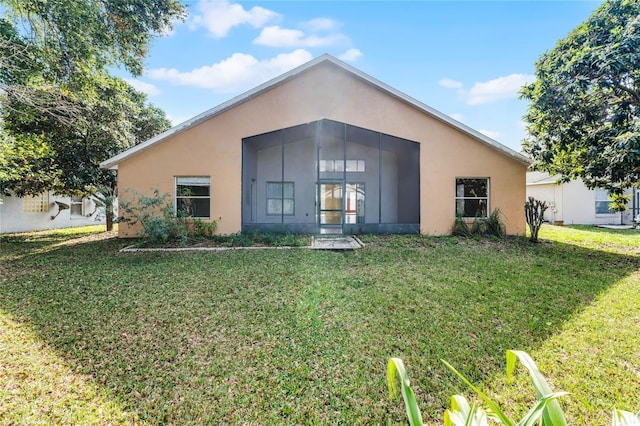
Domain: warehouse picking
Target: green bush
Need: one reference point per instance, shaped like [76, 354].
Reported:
[460, 227]
[491, 226]
[160, 225]
[201, 229]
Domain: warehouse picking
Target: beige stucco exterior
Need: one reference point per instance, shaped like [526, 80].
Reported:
[327, 91]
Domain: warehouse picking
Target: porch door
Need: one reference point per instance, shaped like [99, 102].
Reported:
[331, 207]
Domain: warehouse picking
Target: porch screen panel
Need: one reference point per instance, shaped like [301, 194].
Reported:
[362, 175]
[331, 147]
[299, 155]
[400, 177]
[267, 149]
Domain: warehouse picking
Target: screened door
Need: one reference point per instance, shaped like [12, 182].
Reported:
[331, 207]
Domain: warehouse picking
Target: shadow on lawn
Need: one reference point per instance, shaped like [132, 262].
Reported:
[297, 336]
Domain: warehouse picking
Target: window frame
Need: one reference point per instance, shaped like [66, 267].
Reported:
[73, 201]
[486, 198]
[194, 182]
[338, 166]
[597, 200]
[282, 198]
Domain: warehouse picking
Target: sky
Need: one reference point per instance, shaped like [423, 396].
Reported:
[467, 59]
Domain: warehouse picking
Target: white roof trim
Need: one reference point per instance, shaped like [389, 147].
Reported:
[112, 163]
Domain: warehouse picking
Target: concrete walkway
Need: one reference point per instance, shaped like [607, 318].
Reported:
[336, 242]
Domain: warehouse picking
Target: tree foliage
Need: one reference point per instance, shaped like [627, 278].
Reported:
[62, 113]
[65, 38]
[46, 153]
[584, 112]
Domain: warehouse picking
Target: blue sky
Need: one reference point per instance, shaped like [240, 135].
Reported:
[464, 58]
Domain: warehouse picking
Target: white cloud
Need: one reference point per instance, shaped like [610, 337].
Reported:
[320, 24]
[450, 84]
[491, 133]
[457, 116]
[142, 86]
[350, 55]
[499, 88]
[274, 36]
[238, 72]
[219, 16]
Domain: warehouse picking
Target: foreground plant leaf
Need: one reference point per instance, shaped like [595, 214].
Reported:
[500, 416]
[396, 367]
[461, 414]
[625, 418]
[552, 414]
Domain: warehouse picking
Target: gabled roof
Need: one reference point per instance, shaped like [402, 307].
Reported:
[112, 163]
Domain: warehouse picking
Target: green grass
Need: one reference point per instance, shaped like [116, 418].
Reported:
[92, 336]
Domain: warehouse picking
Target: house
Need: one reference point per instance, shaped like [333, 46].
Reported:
[572, 203]
[325, 148]
[48, 211]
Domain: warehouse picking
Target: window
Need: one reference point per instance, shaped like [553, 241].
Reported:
[472, 197]
[355, 165]
[602, 201]
[280, 198]
[338, 165]
[193, 196]
[354, 207]
[76, 207]
[36, 203]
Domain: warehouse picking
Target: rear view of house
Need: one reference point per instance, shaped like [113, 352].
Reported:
[326, 148]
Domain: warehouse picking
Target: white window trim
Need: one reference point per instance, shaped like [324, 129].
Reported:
[193, 181]
[82, 208]
[488, 197]
[281, 198]
[596, 200]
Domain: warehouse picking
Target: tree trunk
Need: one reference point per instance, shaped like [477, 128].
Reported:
[109, 215]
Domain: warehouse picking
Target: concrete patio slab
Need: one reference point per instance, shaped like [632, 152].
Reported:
[336, 242]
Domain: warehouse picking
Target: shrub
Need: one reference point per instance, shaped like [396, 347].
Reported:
[159, 222]
[201, 229]
[491, 226]
[460, 227]
[494, 226]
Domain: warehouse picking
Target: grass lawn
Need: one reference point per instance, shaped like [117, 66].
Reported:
[92, 336]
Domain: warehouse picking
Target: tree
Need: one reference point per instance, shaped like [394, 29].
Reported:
[61, 112]
[44, 153]
[48, 48]
[584, 112]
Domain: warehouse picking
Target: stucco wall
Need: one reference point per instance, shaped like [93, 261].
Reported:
[214, 148]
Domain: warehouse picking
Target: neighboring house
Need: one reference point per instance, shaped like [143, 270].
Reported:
[572, 203]
[325, 148]
[47, 211]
